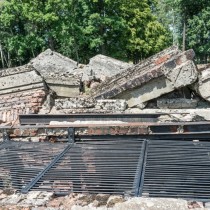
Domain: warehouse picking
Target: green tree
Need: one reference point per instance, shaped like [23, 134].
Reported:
[199, 35]
[169, 15]
[124, 29]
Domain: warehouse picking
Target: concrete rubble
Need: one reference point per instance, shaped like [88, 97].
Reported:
[168, 82]
[52, 83]
[202, 87]
[22, 91]
[102, 67]
[36, 200]
[158, 75]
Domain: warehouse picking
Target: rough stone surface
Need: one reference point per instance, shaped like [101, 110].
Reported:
[156, 76]
[102, 67]
[28, 79]
[112, 105]
[141, 204]
[203, 85]
[125, 77]
[88, 105]
[36, 200]
[178, 103]
[74, 103]
[58, 72]
[53, 62]
[174, 77]
[22, 91]
[26, 200]
[202, 67]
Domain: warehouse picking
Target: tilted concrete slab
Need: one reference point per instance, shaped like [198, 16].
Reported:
[203, 85]
[158, 75]
[52, 62]
[22, 91]
[63, 84]
[103, 67]
[58, 72]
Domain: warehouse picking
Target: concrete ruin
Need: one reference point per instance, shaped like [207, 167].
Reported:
[202, 87]
[158, 75]
[52, 83]
[168, 82]
[22, 91]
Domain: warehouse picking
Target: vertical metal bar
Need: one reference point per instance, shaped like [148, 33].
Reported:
[5, 136]
[46, 169]
[140, 167]
[143, 169]
[71, 135]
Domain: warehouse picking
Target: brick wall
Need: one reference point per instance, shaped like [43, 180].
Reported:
[25, 102]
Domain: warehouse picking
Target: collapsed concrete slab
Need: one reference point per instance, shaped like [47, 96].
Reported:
[64, 76]
[84, 105]
[103, 67]
[58, 72]
[202, 67]
[52, 62]
[203, 85]
[64, 84]
[177, 103]
[22, 91]
[157, 75]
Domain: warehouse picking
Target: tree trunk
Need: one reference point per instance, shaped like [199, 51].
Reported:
[184, 37]
[2, 57]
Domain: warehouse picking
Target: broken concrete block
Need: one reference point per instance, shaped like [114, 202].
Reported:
[25, 78]
[86, 105]
[22, 91]
[202, 67]
[112, 105]
[177, 103]
[103, 66]
[149, 80]
[203, 85]
[58, 72]
[139, 69]
[63, 84]
[74, 103]
[52, 62]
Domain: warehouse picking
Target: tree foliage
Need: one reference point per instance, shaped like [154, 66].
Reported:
[124, 29]
[199, 35]
[194, 15]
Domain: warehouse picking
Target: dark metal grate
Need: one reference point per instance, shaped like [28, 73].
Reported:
[112, 167]
[177, 169]
[21, 161]
[116, 165]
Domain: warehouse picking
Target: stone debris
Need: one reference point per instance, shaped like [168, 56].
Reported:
[22, 91]
[36, 200]
[58, 73]
[50, 62]
[203, 85]
[32, 199]
[202, 67]
[102, 67]
[86, 105]
[180, 103]
[74, 103]
[151, 79]
[54, 84]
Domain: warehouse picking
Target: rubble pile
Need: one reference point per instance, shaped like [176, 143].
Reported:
[54, 84]
[84, 105]
[36, 200]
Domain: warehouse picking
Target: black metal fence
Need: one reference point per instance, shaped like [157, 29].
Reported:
[129, 166]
